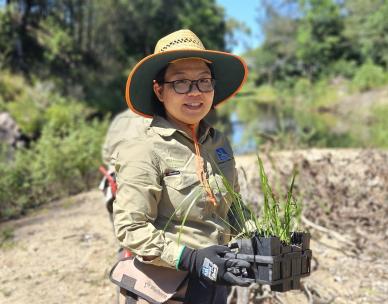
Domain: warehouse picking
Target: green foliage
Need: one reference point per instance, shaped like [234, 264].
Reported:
[8, 36]
[277, 219]
[65, 115]
[88, 47]
[369, 76]
[313, 38]
[7, 235]
[27, 113]
[319, 36]
[26, 103]
[15, 182]
[378, 129]
[55, 167]
[12, 87]
[367, 29]
[67, 164]
[57, 41]
[345, 68]
[64, 160]
[305, 115]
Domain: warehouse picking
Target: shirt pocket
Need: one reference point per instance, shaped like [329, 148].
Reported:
[181, 193]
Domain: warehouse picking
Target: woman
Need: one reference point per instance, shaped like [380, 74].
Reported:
[171, 208]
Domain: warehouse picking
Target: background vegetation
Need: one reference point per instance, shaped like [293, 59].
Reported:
[318, 80]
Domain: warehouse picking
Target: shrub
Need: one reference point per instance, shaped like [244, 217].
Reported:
[28, 116]
[369, 76]
[63, 161]
[65, 115]
[15, 182]
[12, 87]
[343, 68]
[67, 164]
[302, 86]
[378, 130]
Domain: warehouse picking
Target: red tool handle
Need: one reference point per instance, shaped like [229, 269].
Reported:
[111, 181]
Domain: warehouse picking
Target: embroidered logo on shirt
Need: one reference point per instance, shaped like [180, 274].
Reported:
[222, 155]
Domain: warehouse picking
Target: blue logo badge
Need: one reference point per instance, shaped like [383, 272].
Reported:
[222, 155]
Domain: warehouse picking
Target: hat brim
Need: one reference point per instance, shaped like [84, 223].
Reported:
[230, 73]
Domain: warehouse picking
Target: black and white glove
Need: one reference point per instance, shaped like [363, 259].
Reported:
[209, 263]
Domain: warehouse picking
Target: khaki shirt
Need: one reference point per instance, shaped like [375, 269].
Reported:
[158, 187]
[125, 125]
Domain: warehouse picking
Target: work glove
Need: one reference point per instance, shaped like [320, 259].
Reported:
[208, 263]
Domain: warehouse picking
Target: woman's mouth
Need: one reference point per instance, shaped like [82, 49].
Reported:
[193, 105]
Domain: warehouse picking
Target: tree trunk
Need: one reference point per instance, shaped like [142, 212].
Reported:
[89, 27]
[80, 21]
[25, 10]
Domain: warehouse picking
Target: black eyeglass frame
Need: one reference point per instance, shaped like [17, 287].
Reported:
[192, 82]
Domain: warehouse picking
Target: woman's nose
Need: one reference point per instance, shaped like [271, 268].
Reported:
[194, 90]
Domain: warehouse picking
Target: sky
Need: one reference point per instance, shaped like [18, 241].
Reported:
[246, 11]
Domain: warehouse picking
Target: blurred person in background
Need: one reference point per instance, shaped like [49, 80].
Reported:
[125, 125]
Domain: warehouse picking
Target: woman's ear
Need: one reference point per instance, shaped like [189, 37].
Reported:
[158, 90]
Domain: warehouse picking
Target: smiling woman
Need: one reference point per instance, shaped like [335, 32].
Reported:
[172, 210]
[181, 94]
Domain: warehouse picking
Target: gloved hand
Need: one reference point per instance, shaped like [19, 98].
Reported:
[209, 263]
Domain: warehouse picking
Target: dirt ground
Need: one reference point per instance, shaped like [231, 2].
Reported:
[63, 253]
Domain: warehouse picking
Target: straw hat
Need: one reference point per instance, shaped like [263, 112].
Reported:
[230, 71]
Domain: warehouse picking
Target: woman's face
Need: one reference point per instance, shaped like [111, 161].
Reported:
[191, 107]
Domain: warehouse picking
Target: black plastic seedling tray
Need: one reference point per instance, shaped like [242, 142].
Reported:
[273, 262]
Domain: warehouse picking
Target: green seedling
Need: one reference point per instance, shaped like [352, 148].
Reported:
[277, 219]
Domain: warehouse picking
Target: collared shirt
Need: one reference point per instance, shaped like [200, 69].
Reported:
[161, 204]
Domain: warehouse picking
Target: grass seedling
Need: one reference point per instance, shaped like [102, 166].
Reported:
[277, 219]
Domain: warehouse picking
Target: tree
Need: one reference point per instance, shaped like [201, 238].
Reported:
[320, 38]
[88, 47]
[367, 29]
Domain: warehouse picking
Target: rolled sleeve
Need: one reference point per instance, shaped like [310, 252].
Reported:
[136, 206]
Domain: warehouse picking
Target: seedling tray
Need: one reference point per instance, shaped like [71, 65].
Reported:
[273, 262]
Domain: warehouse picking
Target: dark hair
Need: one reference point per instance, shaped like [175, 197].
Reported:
[157, 105]
[159, 78]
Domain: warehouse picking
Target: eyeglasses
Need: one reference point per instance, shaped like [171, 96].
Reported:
[184, 86]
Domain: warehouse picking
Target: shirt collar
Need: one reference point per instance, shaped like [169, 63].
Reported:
[164, 128]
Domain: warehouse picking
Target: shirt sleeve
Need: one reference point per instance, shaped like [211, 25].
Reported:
[136, 206]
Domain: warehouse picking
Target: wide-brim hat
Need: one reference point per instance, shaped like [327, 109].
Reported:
[230, 71]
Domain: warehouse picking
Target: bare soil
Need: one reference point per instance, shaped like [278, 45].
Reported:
[63, 253]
